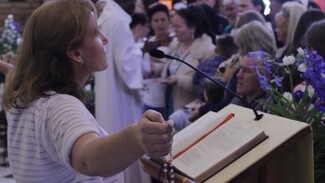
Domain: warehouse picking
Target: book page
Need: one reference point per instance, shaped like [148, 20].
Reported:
[217, 149]
[197, 129]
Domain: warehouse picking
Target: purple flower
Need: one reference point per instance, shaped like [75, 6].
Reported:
[315, 73]
[268, 65]
[262, 79]
[278, 81]
[320, 106]
[298, 95]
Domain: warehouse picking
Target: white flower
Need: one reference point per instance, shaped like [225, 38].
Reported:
[289, 60]
[10, 16]
[18, 40]
[288, 96]
[302, 67]
[311, 90]
[300, 51]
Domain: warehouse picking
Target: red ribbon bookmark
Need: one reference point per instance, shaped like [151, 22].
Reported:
[201, 138]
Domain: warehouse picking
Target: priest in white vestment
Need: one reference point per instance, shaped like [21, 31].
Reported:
[117, 89]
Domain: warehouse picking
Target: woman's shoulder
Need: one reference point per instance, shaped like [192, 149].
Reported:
[174, 45]
[57, 99]
[202, 47]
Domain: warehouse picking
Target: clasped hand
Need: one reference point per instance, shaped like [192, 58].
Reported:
[155, 135]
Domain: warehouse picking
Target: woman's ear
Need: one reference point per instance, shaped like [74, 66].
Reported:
[75, 55]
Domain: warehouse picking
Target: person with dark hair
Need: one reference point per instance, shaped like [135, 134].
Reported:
[213, 93]
[139, 27]
[201, 16]
[52, 137]
[138, 18]
[208, 24]
[306, 19]
[159, 19]
[315, 37]
[217, 21]
[198, 107]
[225, 46]
[192, 45]
[154, 92]
[157, 7]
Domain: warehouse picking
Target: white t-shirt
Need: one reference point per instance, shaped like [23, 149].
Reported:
[41, 138]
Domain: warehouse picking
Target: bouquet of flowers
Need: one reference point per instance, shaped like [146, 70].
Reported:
[10, 37]
[305, 102]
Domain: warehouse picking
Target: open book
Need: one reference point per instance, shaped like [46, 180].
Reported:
[211, 143]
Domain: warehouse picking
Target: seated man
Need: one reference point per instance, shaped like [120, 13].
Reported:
[247, 85]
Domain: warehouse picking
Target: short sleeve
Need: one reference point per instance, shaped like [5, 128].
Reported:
[64, 119]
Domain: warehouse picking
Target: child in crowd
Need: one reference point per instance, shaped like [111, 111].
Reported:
[212, 93]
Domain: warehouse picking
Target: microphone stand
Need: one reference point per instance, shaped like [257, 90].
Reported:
[257, 116]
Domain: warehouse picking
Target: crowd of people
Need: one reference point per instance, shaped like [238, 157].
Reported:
[137, 97]
[180, 90]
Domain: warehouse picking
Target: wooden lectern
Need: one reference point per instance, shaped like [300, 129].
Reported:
[285, 157]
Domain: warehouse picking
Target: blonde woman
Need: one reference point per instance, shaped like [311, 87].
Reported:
[286, 22]
[227, 68]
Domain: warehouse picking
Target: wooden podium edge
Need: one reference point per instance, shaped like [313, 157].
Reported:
[260, 165]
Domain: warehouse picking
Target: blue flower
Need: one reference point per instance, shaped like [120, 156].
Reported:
[320, 106]
[278, 81]
[298, 95]
[262, 79]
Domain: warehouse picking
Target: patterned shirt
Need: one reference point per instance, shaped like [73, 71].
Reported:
[255, 102]
[209, 67]
[41, 138]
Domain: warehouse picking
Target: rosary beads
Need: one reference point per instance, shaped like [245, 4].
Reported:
[170, 163]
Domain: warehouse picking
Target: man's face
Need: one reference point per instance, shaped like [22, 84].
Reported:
[231, 12]
[247, 80]
[244, 5]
